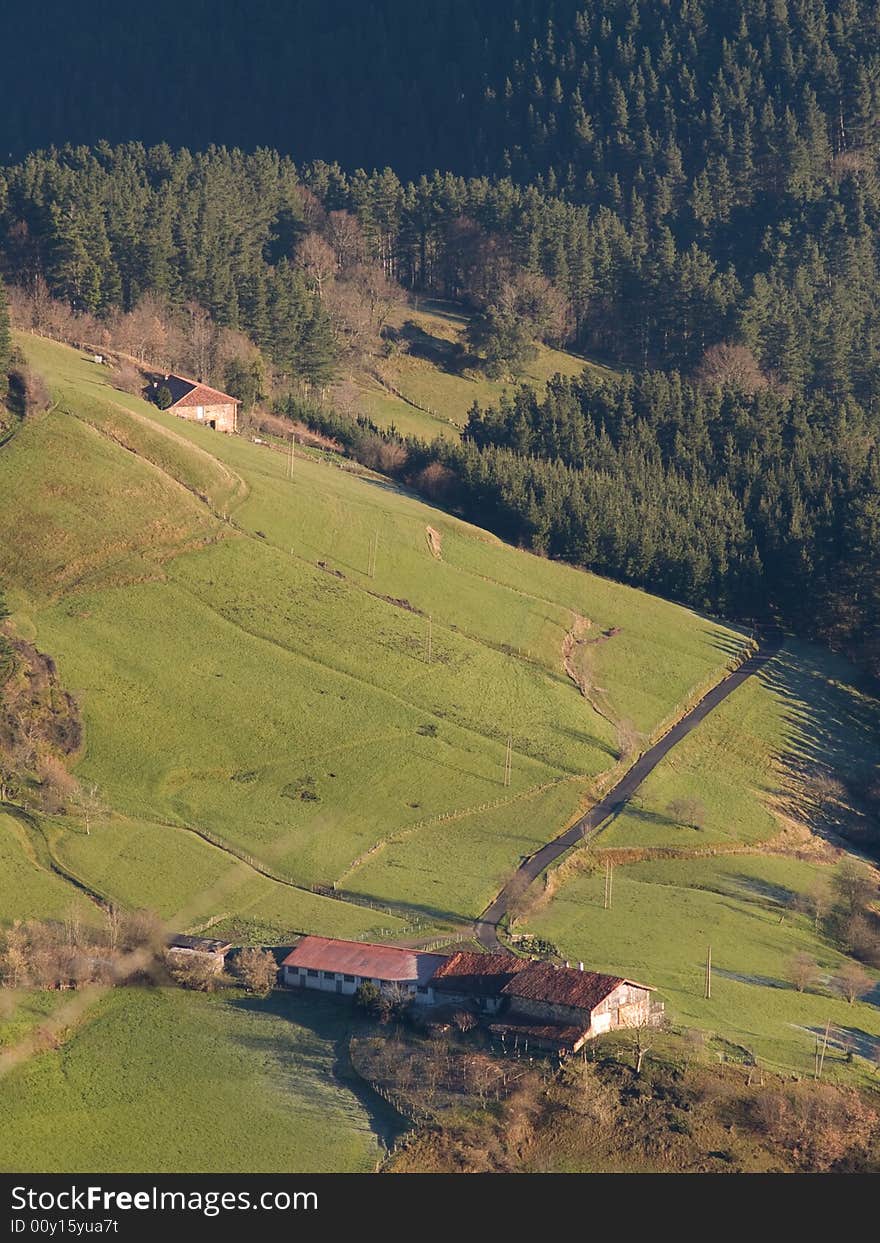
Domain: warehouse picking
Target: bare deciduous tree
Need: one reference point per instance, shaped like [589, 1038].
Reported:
[689, 812]
[318, 260]
[852, 982]
[257, 970]
[728, 364]
[803, 971]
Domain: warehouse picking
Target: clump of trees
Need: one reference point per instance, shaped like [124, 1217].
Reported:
[389, 1004]
[55, 954]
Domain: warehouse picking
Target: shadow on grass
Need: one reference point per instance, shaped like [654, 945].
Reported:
[846, 1040]
[327, 1020]
[763, 981]
[766, 893]
[833, 751]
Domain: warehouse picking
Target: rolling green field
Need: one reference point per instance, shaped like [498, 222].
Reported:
[752, 769]
[262, 716]
[242, 674]
[254, 1081]
[28, 886]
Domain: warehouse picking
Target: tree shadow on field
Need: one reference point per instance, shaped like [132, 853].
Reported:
[762, 981]
[764, 893]
[440, 352]
[843, 1040]
[832, 755]
[304, 1065]
[732, 645]
[586, 740]
[634, 811]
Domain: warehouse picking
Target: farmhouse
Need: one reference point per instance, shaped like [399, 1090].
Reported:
[532, 1003]
[560, 1008]
[342, 966]
[190, 399]
[474, 980]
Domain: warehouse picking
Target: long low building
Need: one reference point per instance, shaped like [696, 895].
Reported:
[342, 966]
[529, 1002]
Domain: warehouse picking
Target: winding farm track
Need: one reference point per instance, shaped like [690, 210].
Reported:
[486, 927]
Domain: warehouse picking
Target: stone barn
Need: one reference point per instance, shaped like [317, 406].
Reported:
[190, 399]
[474, 981]
[204, 949]
[562, 1007]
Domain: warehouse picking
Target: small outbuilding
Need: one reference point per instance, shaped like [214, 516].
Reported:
[206, 949]
[197, 402]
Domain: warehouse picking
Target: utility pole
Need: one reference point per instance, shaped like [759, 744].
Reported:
[508, 761]
[824, 1050]
[290, 456]
[429, 647]
[374, 550]
[609, 881]
[708, 973]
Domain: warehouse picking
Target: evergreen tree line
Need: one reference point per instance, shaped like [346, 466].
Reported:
[762, 504]
[721, 160]
[236, 233]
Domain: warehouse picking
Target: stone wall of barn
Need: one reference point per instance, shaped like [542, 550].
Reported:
[223, 415]
[626, 1006]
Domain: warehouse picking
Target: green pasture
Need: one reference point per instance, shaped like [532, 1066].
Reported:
[252, 678]
[664, 917]
[164, 1080]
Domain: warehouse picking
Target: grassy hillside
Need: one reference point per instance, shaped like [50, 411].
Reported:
[777, 768]
[28, 886]
[664, 916]
[422, 389]
[244, 677]
[262, 716]
[254, 1081]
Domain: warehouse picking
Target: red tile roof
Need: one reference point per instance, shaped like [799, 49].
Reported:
[477, 975]
[186, 392]
[541, 981]
[374, 962]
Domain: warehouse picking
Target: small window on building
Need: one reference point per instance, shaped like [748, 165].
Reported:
[311, 971]
[349, 979]
[329, 975]
[293, 970]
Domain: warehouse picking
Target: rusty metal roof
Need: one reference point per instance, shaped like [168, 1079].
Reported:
[541, 981]
[361, 958]
[524, 1027]
[477, 975]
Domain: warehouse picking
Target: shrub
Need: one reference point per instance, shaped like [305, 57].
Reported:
[257, 971]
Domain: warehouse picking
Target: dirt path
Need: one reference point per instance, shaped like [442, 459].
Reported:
[486, 927]
[572, 646]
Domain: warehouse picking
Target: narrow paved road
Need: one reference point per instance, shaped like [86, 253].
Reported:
[486, 926]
